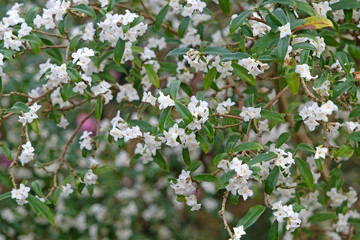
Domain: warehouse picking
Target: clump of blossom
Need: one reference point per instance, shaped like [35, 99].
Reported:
[225, 107]
[185, 187]
[82, 57]
[120, 129]
[248, 113]
[238, 185]
[20, 194]
[66, 190]
[86, 141]
[282, 212]
[127, 92]
[89, 32]
[90, 178]
[255, 67]
[313, 114]
[285, 30]
[27, 153]
[30, 116]
[304, 72]
[165, 101]
[321, 152]
[103, 89]
[200, 112]
[238, 232]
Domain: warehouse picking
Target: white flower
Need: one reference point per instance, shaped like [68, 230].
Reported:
[285, 30]
[66, 190]
[321, 152]
[165, 101]
[238, 232]
[63, 122]
[90, 178]
[249, 113]
[20, 194]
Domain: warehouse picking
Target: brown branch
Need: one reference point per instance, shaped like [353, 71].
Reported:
[276, 97]
[222, 214]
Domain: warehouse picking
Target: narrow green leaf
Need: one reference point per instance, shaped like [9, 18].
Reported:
[282, 139]
[36, 187]
[163, 117]
[5, 196]
[194, 166]
[236, 22]
[272, 116]
[186, 156]
[30, 15]
[355, 112]
[41, 208]
[74, 43]
[56, 195]
[205, 178]
[320, 217]
[224, 179]
[183, 26]
[204, 146]
[354, 136]
[119, 51]
[220, 157]
[274, 231]
[145, 126]
[174, 88]
[98, 107]
[225, 6]
[251, 216]
[152, 75]
[160, 161]
[261, 158]
[209, 78]
[243, 73]
[7, 152]
[34, 126]
[161, 16]
[184, 112]
[305, 173]
[178, 51]
[305, 147]
[73, 74]
[282, 48]
[134, 159]
[248, 146]
[84, 9]
[293, 81]
[272, 180]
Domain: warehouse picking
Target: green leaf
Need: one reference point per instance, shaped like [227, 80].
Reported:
[233, 56]
[225, 6]
[73, 74]
[220, 157]
[5, 196]
[282, 48]
[305, 173]
[186, 156]
[183, 25]
[204, 146]
[251, 216]
[346, 151]
[232, 140]
[236, 22]
[119, 51]
[205, 178]
[305, 147]
[319, 164]
[243, 73]
[355, 112]
[30, 15]
[56, 195]
[160, 161]
[209, 78]
[36, 187]
[98, 107]
[282, 139]
[74, 43]
[178, 51]
[163, 117]
[248, 146]
[152, 75]
[292, 106]
[41, 208]
[293, 81]
[174, 88]
[7, 152]
[18, 107]
[104, 169]
[62, 24]
[34, 126]
[305, 7]
[224, 179]
[345, 4]
[216, 50]
[272, 180]
[184, 112]
[304, 45]
[161, 16]
[354, 136]
[145, 126]
[262, 157]
[272, 116]
[134, 159]
[195, 165]
[320, 217]
[84, 9]
[274, 231]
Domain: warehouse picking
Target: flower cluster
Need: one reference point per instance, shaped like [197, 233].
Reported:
[27, 153]
[185, 187]
[282, 212]
[20, 194]
[31, 115]
[312, 114]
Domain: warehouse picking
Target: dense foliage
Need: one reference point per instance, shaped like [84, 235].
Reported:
[150, 119]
